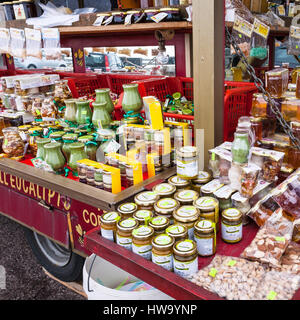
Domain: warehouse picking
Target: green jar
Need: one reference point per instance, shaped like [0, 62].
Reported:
[103, 96]
[90, 146]
[76, 153]
[132, 100]
[101, 117]
[68, 139]
[70, 112]
[41, 142]
[57, 136]
[240, 148]
[54, 156]
[83, 112]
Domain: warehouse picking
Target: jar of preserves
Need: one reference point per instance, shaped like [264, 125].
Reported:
[146, 200]
[165, 207]
[205, 237]
[185, 262]
[34, 134]
[162, 251]
[68, 139]
[126, 210]
[259, 106]
[159, 224]
[295, 125]
[98, 178]
[143, 216]
[82, 169]
[243, 205]
[202, 179]
[179, 183]
[282, 146]
[107, 181]
[187, 163]
[70, 112]
[209, 209]
[135, 16]
[178, 232]
[124, 232]
[289, 109]
[13, 144]
[108, 225]
[164, 190]
[90, 176]
[76, 153]
[142, 241]
[187, 216]
[57, 136]
[186, 197]
[277, 81]
[41, 142]
[232, 226]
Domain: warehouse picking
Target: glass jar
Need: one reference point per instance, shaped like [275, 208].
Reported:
[90, 146]
[187, 216]
[240, 148]
[146, 200]
[126, 210]
[259, 106]
[185, 260]
[178, 232]
[107, 181]
[294, 157]
[68, 139]
[108, 225]
[187, 163]
[257, 127]
[295, 125]
[243, 205]
[289, 109]
[62, 92]
[34, 134]
[54, 157]
[83, 112]
[142, 241]
[205, 237]
[162, 251]
[173, 14]
[13, 144]
[232, 226]
[164, 190]
[209, 209]
[90, 176]
[41, 142]
[9, 11]
[165, 207]
[70, 112]
[143, 216]
[99, 178]
[186, 197]
[179, 183]
[277, 82]
[124, 232]
[76, 153]
[202, 179]
[82, 170]
[159, 224]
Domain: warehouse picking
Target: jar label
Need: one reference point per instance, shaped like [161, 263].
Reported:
[184, 246]
[111, 216]
[232, 233]
[128, 207]
[205, 224]
[205, 202]
[177, 180]
[176, 229]
[107, 234]
[158, 221]
[128, 223]
[163, 240]
[143, 214]
[232, 212]
[164, 261]
[187, 211]
[186, 195]
[124, 242]
[159, 17]
[147, 196]
[143, 251]
[187, 169]
[185, 269]
[142, 231]
[203, 175]
[205, 247]
[163, 188]
[167, 203]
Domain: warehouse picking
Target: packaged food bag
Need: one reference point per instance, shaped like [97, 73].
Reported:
[17, 43]
[33, 43]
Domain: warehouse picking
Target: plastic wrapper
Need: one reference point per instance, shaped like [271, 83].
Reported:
[293, 47]
[33, 43]
[249, 177]
[277, 286]
[48, 109]
[13, 144]
[259, 40]
[51, 43]
[271, 241]
[4, 40]
[239, 9]
[36, 106]
[272, 165]
[205, 276]
[237, 279]
[277, 81]
[17, 43]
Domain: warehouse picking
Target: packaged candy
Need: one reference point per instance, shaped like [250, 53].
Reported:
[33, 43]
[277, 81]
[272, 165]
[249, 178]
[51, 43]
[13, 144]
[259, 40]
[17, 43]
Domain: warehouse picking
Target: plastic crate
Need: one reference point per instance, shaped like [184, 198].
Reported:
[84, 86]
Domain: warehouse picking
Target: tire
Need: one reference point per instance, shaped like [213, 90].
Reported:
[31, 66]
[63, 264]
[62, 66]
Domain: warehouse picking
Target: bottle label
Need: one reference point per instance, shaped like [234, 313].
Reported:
[107, 234]
[125, 242]
[232, 233]
[185, 269]
[187, 169]
[205, 247]
[143, 251]
[164, 261]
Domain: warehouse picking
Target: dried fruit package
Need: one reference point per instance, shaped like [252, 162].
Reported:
[239, 9]
[204, 277]
[271, 241]
[237, 279]
[277, 286]
[290, 261]
[51, 43]
[259, 40]
[33, 43]
[17, 43]
[294, 41]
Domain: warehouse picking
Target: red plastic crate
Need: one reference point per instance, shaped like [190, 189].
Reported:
[84, 86]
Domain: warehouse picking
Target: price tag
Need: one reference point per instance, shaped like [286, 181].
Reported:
[231, 263]
[128, 19]
[213, 272]
[280, 239]
[159, 17]
[271, 295]
[108, 21]
[112, 147]
[98, 22]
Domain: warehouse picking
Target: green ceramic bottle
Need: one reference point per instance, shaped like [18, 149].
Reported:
[240, 148]
[54, 156]
[132, 100]
[101, 114]
[70, 112]
[68, 139]
[103, 96]
[41, 142]
[76, 153]
[90, 146]
[83, 112]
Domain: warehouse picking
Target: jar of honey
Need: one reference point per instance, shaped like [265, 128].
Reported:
[187, 216]
[146, 200]
[259, 106]
[124, 232]
[289, 109]
[143, 216]
[187, 163]
[186, 197]
[142, 241]
[165, 207]
[205, 237]
[178, 232]
[164, 190]
[179, 183]
[108, 225]
[159, 224]
[162, 251]
[277, 81]
[257, 128]
[232, 225]
[126, 210]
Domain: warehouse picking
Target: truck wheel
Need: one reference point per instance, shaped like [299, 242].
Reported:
[62, 263]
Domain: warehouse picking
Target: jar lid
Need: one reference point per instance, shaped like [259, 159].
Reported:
[57, 134]
[143, 215]
[187, 152]
[232, 214]
[204, 226]
[70, 136]
[127, 208]
[159, 222]
[186, 196]
[178, 182]
[143, 232]
[43, 140]
[163, 241]
[186, 214]
[177, 230]
[185, 248]
[52, 145]
[164, 189]
[85, 139]
[206, 203]
[147, 198]
[166, 205]
[31, 130]
[203, 177]
[127, 224]
[110, 217]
